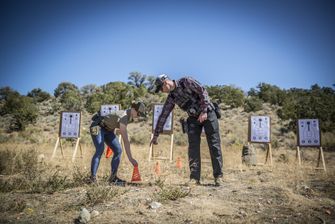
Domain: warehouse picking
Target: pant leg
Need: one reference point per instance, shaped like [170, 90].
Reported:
[194, 132]
[214, 142]
[98, 141]
[113, 142]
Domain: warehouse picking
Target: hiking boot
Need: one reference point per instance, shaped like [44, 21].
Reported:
[193, 182]
[218, 181]
[114, 180]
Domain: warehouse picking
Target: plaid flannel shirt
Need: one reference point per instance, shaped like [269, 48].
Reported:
[187, 89]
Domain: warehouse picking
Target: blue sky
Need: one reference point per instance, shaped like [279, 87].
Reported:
[284, 43]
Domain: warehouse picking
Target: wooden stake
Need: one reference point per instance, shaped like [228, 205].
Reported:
[61, 147]
[322, 158]
[171, 148]
[269, 154]
[75, 150]
[297, 156]
[54, 151]
[150, 149]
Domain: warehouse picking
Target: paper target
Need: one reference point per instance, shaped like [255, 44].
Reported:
[70, 125]
[108, 108]
[259, 129]
[168, 127]
[309, 132]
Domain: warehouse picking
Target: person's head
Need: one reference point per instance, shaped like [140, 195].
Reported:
[138, 109]
[164, 84]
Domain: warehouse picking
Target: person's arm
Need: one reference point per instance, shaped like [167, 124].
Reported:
[126, 143]
[166, 110]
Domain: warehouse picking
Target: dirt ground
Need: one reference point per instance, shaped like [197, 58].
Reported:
[282, 193]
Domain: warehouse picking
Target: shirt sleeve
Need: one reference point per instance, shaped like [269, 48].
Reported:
[167, 108]
[200, 90]
[124, 119]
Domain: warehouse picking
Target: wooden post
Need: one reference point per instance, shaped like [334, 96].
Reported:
[75, 150]
[321, 156]
[269, 154]
[54, 151]
[297, 156]
[61, 148]
[81, 151]
[150, 149]
[171, 148]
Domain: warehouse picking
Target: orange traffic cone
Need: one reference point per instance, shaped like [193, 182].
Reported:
[136, 175]
[179, 164]
[109, 152]
[157, 169]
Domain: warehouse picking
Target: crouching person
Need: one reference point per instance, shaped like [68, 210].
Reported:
[102, 131]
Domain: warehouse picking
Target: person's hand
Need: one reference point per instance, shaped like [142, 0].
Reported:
[154, 141]
[133, 161]
[202, 117]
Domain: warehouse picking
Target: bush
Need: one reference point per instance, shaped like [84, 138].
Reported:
[269, 93]
[71, 101]
[253, 104]
[314, 103]
[229, 95]
[22, 109]
[38, 95]
[171, 193]
[100, 194]
[69, 96]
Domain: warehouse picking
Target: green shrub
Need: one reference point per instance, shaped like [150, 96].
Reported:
[229, 95]
[38, 95]
[22, 109]
[172, 193]
[253, 104]
[100, 194]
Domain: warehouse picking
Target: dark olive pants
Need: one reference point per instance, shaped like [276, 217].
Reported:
[211, 126]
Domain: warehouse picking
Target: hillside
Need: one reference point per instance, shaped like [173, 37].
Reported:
[35, 188]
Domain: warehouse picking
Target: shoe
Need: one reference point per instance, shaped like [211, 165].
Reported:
[114, 180]
[218, 181]
[193, 182]
[92, 180]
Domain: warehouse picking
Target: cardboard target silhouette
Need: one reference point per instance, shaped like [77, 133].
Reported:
[309, 135]
[106, 109]
[260, 129]
[167, 129]
[260, 132]
[309, 132]
[109, 108]
[69, 127]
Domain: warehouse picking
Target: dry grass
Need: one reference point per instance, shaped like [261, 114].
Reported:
[35, 189]
[283, 193]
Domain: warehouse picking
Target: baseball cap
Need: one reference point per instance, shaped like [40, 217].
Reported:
[159, 82]
[140, 108]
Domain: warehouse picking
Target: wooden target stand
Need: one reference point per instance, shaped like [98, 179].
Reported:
[157, 109]
[307, 141]
[259, 131]
[151, 151]
[69, 128]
